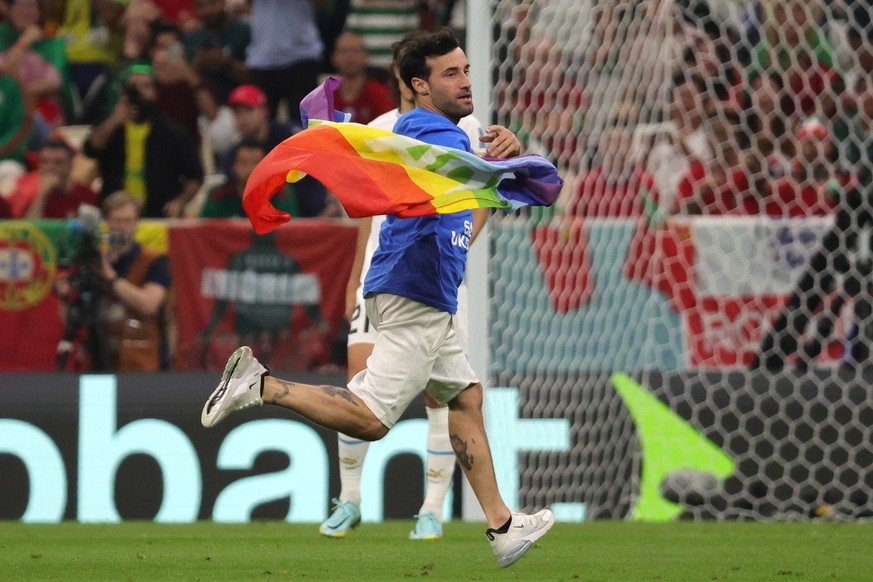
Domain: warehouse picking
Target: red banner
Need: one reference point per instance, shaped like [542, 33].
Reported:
[282, 293]
[29, 311]
[562, 253]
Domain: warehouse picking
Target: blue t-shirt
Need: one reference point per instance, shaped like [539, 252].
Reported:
[424, 258]
[159, 271]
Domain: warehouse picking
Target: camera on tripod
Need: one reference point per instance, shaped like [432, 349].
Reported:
[82, 325]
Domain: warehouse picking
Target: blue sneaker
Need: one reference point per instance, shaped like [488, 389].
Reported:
[428, 527]
[345, 516]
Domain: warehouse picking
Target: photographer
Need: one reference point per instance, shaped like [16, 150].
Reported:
[141, 151]
[133, 295]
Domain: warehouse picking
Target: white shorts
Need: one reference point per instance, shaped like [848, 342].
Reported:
[416, 349]
[362, 331]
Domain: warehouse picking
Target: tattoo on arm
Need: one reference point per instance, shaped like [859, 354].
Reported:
[460, 448]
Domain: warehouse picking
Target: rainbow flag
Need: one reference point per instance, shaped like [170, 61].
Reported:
[373, 171]
[318, 104]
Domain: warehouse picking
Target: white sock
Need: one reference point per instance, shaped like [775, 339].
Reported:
[351, 463]
[440, 461]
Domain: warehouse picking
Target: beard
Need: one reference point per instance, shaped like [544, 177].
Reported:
[454, 109]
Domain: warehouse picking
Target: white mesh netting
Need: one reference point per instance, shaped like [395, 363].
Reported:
[711, 243]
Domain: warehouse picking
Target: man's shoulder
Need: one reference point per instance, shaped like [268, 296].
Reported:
[24, 192]
[83, 193]
[27, 181]
[155, 263]
[432, 128]
[421, 120]
[387, 120]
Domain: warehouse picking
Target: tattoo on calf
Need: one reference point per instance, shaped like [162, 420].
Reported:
[286, 391]
[333, 391]
[460, 448]
[337, 392]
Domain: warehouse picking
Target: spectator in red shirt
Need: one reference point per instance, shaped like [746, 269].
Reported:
[719, 185]
[813, 187]
[615, 186]
[362, 96]
[50, 191]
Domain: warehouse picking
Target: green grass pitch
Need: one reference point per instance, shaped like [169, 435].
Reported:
[622, 551]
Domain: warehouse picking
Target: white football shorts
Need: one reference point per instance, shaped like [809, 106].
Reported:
[416, 349]
[362, 331]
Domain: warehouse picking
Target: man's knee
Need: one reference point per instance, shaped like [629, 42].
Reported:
[468, 399]
[372, 430]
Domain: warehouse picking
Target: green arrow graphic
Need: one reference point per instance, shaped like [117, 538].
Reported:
[668, 443]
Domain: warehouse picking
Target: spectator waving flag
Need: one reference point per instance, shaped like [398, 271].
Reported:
[373, 172]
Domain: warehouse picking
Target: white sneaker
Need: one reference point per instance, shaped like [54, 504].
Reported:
[240, 387]
[523, 531]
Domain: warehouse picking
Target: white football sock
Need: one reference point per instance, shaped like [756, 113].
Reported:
[351, 463]
[440, 461]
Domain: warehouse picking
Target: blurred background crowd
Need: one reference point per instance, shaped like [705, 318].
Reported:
[705, 107]
[160, 109]
[693, 106]
[649, 108]
[176, 101]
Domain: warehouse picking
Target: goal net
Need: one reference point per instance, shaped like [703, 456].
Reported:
[687, 332]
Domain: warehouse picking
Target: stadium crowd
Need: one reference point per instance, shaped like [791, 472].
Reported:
[767, 113]
[155, 97]
[768, 118]
[175, 102]
[685, 108]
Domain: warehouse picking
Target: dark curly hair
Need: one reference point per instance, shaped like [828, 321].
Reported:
[412, 52]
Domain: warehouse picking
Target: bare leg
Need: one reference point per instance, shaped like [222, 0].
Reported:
[467, 432]
[330, 406]
[357, 355]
